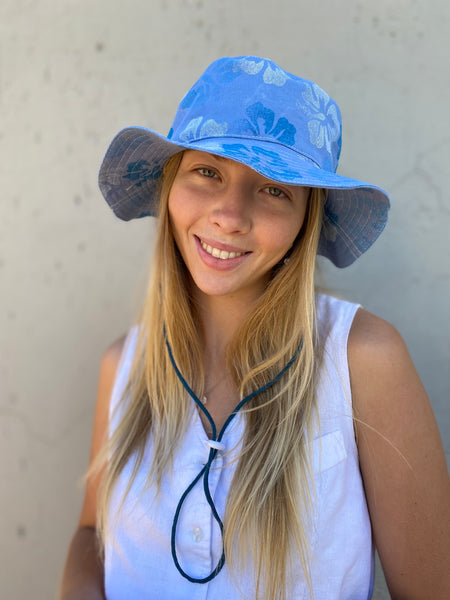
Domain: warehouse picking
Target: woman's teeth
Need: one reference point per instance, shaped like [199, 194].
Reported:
[222, 254]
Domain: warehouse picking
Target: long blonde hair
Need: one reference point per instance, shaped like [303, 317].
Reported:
[266, 520]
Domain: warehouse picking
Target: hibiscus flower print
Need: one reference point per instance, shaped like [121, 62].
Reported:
[323, 127]
[274, 76]
[251, 67]
[271, 75]
[141, 171]
[261, 123]
[199, 128]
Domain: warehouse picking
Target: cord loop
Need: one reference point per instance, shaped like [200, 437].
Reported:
[215, 445]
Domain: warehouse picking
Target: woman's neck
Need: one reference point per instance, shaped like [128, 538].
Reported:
[220, 317]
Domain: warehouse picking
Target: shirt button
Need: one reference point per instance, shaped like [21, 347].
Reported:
[197, 534]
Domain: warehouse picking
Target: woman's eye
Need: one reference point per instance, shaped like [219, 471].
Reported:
[274, 191]
[207, 172]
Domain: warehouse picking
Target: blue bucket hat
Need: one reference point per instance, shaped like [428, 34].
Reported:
[250, 110]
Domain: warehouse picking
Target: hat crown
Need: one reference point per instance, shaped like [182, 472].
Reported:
[249, 97]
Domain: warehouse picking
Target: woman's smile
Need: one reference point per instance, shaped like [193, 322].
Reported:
[219, 257]
[217, 253]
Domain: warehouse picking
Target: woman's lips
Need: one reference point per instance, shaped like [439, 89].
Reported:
[220, 255]
[217, 253]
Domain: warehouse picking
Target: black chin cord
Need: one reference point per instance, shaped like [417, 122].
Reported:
[215, 445]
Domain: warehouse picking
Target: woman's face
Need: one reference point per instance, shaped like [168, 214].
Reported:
[231, 224]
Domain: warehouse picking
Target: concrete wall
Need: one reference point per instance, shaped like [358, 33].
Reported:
[72, 73]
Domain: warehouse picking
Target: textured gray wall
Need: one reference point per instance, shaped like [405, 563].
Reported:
[72, 73]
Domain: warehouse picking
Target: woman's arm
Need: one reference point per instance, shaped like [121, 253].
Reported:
[83, 573]
[402, 463]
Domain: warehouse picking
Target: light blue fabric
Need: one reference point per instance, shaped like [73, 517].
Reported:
[250, 110]
[138, 561]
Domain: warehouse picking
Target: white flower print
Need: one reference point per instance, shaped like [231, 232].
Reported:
[211, 128]
[271, 75]
[324, 127]
[197, 129]
[251, 67]
[275, 76]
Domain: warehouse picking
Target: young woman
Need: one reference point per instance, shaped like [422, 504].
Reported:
[252, 438]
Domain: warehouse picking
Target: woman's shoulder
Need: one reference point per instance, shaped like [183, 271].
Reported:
[119, 350]
[108, 370]
[378, 361]
[367, 333]
[377, 357]
[113, 353]
[371, 337]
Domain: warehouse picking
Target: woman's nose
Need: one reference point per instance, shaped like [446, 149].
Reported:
[231, 210]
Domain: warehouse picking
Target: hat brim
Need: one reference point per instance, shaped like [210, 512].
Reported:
[355, 211]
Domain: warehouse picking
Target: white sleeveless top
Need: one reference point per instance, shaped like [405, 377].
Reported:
[138, 559]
